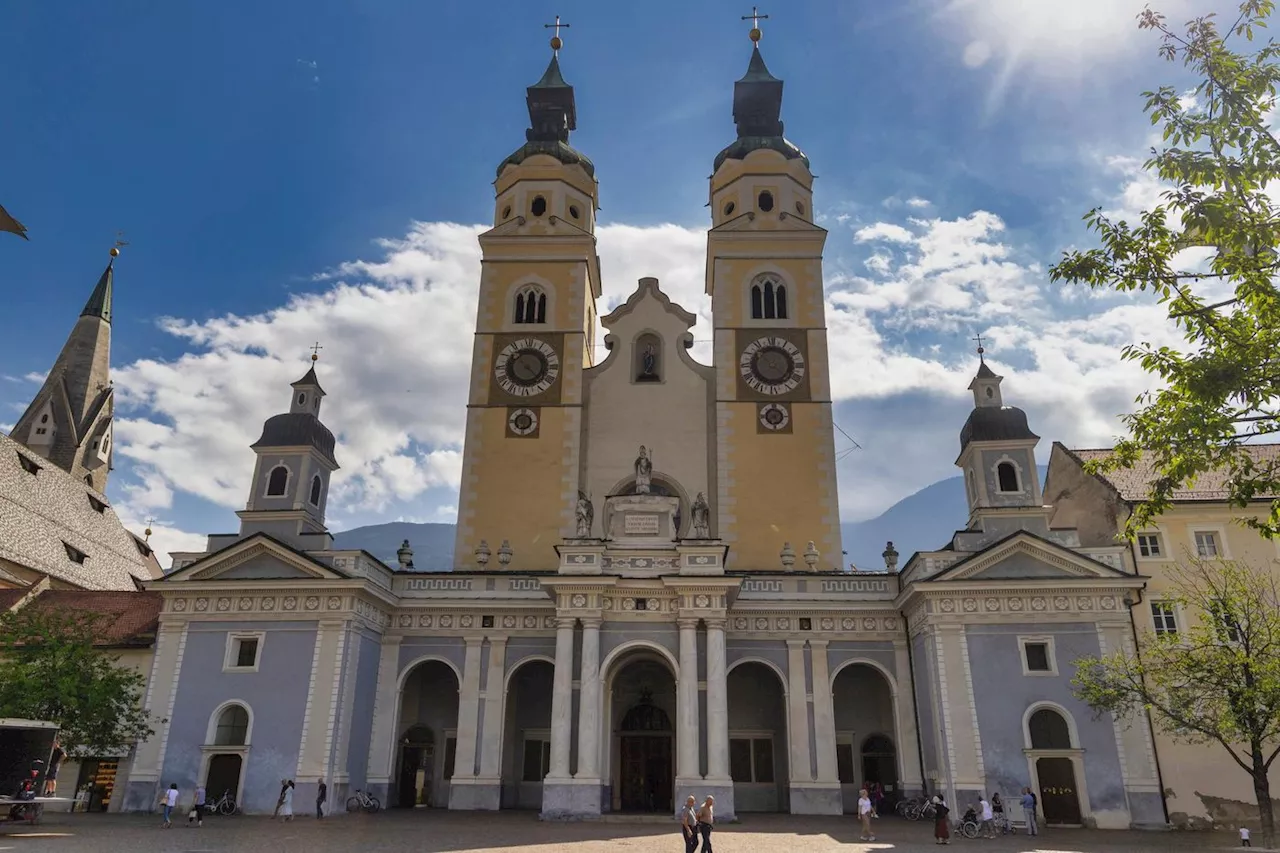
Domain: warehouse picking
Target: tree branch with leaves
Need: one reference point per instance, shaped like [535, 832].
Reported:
[51, 670]
[1221, 161]
[1216, 681]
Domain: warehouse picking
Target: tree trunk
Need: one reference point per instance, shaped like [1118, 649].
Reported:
[1262, 791]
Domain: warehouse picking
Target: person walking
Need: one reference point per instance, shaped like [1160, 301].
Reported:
[997, 812]
[55, 762]
[1029, 811]
[286, 805]
[322, 794]
[197, 808]
[864, 814]
[689, 824]
[707, 822]
[284, 785]
[941, 821]
[169, 801]
[987, 816]
[1244, 837]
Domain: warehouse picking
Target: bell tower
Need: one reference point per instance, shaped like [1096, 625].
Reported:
[535, 334]
[776, 445]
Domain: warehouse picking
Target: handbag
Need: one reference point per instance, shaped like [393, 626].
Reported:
[193, 814]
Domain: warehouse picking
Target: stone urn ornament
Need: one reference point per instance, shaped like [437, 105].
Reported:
[811, 556]
[483, 553]
[504, 553]
[788, 556]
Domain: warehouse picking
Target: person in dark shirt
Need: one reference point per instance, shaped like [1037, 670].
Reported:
[55, 761]
[322, 794]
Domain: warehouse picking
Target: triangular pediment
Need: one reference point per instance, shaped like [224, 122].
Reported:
[259, 557]
[1025, 556]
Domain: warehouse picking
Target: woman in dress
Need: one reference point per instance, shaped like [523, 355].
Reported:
[942, 822]
[286, 808]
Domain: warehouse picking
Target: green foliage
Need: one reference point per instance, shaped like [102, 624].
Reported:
[1221, 160]
[1216, 681]
[50, 670]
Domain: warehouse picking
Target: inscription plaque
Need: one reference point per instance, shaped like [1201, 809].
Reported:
[634, 524]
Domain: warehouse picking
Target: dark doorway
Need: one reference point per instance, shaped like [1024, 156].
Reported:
[224, 776]
[880, 762]
[1058, 796]
[417, 766]
[646, 747]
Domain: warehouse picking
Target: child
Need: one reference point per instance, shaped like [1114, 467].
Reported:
[1244, 837]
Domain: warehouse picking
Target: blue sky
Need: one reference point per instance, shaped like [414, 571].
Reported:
[316, 170]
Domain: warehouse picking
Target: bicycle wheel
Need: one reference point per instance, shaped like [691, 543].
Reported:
[969, 829]
[227, 807]
[374, 806]
[353, 804]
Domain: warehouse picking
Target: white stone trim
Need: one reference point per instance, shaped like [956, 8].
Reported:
[232, 651]
[307, 711]
[211, 728]
[1220, 534]
[1041, 705]
[1051, 653]
[337, 763]
[339, 660]
[943, 704]
[1018, 473]
[173, 699]
[266, 480]
[973, 705]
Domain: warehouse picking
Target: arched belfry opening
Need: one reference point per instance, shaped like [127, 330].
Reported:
[642, 709]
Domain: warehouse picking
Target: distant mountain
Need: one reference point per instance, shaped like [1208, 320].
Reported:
[432, 544]
[918, 522]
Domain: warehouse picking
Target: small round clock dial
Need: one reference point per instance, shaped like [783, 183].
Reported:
[526, 367]
[772, 365]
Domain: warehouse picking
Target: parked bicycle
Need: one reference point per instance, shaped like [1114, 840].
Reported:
[224, 805]
[362, 801]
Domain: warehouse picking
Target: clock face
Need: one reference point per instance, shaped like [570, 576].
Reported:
[772, 365]
[526, 367]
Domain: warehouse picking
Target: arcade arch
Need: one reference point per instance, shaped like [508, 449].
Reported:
[426, 735]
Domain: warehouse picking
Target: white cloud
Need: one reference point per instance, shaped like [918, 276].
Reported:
[883, 231]
[917, 202]
[976, 54]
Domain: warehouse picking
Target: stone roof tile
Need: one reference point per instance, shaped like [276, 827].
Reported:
[1133, 484]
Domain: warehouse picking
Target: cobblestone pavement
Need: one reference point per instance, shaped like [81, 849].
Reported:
[441, 831]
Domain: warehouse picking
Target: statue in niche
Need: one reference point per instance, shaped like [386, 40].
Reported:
[701, 517]
[586, 514]
[644, 471]
[646, 364]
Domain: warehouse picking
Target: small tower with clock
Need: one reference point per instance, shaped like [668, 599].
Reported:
[535, 334]
[764, 275]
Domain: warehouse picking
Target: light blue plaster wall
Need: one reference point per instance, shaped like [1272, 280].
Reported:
[1028, 474]
[451, 649]
[361, 731]
[930, 736]
[774, 651]
[260, 567]
[615, 634]
[276, 695]
[840, 651]
[1003, 694]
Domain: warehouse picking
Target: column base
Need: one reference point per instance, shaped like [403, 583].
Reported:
[816, 798]
[141, 796]
[572, 799]
[721, 789]
[477, 793]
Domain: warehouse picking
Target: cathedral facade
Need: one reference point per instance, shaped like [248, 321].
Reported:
[647, 600]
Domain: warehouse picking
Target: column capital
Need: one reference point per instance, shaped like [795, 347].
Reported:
[715, 623]
[796, 644]
[684, 622]
[498, 641]
[565, 622]
[473, 639]
[592, 621]
[819, 644]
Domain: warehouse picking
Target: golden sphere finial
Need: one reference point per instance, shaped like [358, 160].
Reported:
[315, 356]
[754, 35]
[556, 43]
[115, 252]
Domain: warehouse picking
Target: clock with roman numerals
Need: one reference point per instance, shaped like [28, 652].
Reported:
[772, 365]
[526, 367]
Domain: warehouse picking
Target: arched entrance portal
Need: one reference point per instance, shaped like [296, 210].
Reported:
[427, 737]
[1054, 754]
[866, 737]
[642, 707]
[758, 762]
[526, 734]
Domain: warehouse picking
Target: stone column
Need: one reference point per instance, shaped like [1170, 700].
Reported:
[908, 742]
[494, 707]
[687, 768]
[798, 713]
[717, 703]
[824, 714]
[589, 703]
[386, 707]
[464, 763]
[562, 701]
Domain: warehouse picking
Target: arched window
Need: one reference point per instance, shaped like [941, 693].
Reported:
[1007, 476]
[1049, 730]
[277, 481]
[233, 726]
[768, 299]
[315, 490]
[302, 398]
[531, 305]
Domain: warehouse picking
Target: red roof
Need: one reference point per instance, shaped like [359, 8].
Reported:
[10, 597]
[131, 618]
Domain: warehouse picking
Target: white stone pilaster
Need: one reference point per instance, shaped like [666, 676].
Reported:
[824, 713]
[798, 713]
[687, 703]
[589, 703]
[165, 666]
[908, 738]
[464, 764]
[494, 708]
[717, 703]
[562, 701]
[385, 710]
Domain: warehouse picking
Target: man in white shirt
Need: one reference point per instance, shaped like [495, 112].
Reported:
[987, 826]
[864, 815]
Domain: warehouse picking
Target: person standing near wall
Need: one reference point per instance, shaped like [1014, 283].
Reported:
[197, 808]
[286, 803]
[689, 824]
[1029, 811]
[941, 821]
[55, 761]
[707, 822]
[322, 794]
[284, 786]
[864, 814]
[168, 802]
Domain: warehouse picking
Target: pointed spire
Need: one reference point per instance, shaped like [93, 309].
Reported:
[552, 78]
[99, 304]
[757, 107]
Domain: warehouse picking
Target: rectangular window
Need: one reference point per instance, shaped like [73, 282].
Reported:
[751, 759]
[1037, 656]
[1207, 544]
[1163, 618]
[244, 652]
[844, 763]
[247, 652]
[1149, 545]
[537, 759]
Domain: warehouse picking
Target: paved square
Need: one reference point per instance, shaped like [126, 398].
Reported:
[443, 831]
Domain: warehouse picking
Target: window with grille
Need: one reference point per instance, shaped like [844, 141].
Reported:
[751, 759]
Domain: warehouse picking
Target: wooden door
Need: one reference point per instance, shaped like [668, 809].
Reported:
[1059, 799]
[646, 780]
[223, 777]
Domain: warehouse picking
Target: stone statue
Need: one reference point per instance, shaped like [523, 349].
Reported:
[649, 361]
[644, 470]
[586, 514]
[701, 513]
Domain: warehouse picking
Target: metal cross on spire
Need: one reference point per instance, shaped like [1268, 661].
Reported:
[120, 241]
[981, 349]
[755, 18]
[315, 351]
[556, 43]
